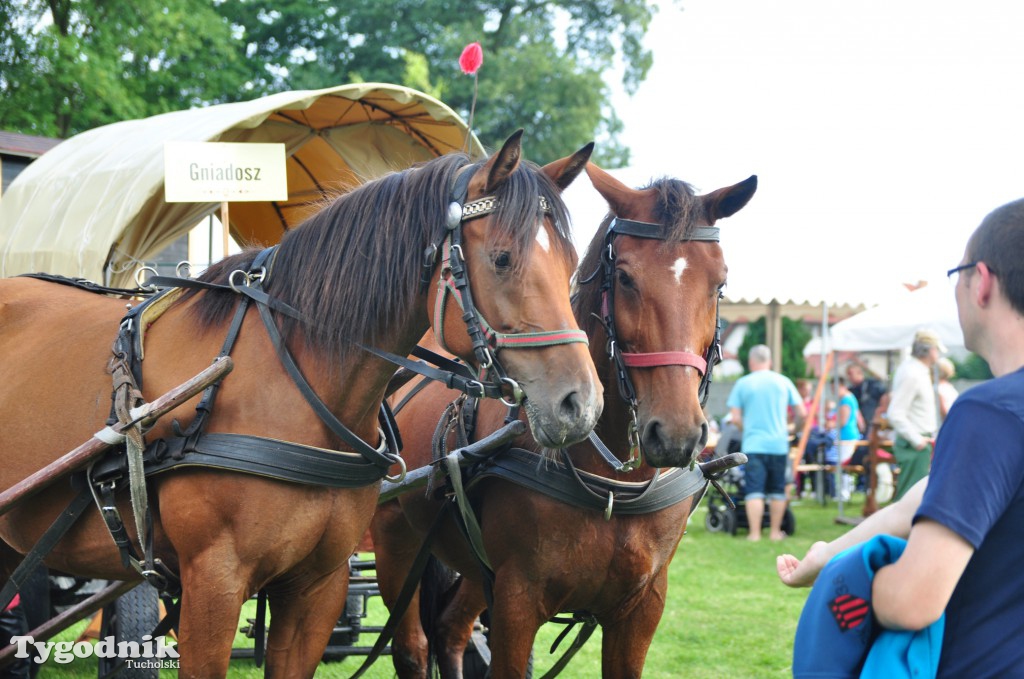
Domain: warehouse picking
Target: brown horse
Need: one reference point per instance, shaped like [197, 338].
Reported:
[652, 279]
[354, 272]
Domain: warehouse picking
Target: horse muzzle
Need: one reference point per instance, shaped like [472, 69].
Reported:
[665, 445]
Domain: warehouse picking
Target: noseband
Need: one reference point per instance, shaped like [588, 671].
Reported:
[623, 360]
[454, 282]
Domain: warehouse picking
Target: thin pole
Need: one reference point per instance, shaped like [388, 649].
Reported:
[225, 221]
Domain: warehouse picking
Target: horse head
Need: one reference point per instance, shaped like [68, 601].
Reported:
[662, 275]
[519, 256]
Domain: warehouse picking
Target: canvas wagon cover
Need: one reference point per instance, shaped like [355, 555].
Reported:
[94, 205]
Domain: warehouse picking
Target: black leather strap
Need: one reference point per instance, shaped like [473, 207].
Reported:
[61, 525]
[271, 458]
[589, 491]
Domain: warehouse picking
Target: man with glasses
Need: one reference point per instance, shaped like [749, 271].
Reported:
[964, 551]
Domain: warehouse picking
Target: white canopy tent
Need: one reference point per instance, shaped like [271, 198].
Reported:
[891, 325]
[94, 206]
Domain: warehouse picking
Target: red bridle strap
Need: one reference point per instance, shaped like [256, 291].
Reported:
[659, 358]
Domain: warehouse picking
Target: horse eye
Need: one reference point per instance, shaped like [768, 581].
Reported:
[502, 261]
[624, 278]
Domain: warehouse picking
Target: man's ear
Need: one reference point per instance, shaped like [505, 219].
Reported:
[986, 285]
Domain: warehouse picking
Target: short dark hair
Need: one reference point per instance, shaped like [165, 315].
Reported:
[999, 242]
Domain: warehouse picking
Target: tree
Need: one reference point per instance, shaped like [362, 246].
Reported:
[67, 65]
[795, 337]
[553, 88]
[972, 367]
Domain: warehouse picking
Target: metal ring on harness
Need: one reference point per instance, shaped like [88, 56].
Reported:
[139, 277]
[259, 275]
[398, 478]
[517, 392]
[183, 269]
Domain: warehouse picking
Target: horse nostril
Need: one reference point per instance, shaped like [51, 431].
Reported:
[571, 407]
[653, 438]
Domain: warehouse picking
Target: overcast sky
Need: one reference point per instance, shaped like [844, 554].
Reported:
[881, 132]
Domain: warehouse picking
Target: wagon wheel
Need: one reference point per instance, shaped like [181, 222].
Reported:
[715, 521]
[131, 616]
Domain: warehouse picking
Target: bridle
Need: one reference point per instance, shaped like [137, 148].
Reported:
[454, 282]
[624, 360]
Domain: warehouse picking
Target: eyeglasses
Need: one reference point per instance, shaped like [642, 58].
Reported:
[954, 274]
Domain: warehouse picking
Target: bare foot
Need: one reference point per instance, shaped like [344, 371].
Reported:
[754, 537]
[777, 537]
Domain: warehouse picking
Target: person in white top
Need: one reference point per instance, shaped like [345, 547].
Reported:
[912, 411]
[947, 392]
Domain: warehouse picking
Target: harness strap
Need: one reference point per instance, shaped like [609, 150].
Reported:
[383, 460]
[466, 511]
[497, 340]
[270, 458]
[61, 525]
[607, 455]
[586, 631]
[590, 491]
[660, 358]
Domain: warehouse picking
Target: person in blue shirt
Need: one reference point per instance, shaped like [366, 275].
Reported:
[759, 403]
[964, 550]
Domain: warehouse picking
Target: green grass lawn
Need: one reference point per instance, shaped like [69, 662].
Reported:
[727, 614]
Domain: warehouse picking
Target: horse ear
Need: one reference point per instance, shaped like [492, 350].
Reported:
[619, 196]
[504, 162]
[564, 171]
[728, 201]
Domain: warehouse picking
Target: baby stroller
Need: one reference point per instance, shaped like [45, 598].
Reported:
[723, 518]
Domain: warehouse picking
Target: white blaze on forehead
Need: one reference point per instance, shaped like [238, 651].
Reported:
[678, 268]
[542, 238]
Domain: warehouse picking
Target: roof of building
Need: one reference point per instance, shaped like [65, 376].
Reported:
[32, 146]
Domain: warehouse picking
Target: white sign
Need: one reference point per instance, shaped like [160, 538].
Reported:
[210, 172]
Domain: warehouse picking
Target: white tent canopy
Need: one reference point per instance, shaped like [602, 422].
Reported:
[891, 325]
[94, 205]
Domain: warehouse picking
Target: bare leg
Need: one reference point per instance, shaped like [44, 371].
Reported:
[755, 514]
[776, 510]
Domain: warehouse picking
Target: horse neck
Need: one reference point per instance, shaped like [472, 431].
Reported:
[355, 388]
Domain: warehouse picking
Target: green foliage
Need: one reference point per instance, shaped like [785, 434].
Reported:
[70, 65]
[552, 88]
[795, 337]
[972, 367]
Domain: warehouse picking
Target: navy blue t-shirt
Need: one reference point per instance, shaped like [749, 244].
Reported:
[976, 489]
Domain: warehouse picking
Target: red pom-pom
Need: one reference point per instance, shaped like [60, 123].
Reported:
[471, 59]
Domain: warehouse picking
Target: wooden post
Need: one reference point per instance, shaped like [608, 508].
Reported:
[225, 222]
